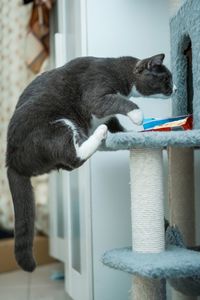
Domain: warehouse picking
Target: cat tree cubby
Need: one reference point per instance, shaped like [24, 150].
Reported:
[151, 260]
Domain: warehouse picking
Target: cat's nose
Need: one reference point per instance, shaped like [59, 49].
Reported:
[174, 88]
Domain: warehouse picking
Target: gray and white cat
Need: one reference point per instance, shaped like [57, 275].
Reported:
[54, 124]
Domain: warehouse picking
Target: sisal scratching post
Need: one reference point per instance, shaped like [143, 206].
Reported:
[181, 197]
[146, 169]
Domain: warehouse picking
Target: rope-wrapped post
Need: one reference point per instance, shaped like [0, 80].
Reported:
[147, 209]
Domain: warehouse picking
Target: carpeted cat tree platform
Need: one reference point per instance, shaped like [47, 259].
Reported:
[156, 256]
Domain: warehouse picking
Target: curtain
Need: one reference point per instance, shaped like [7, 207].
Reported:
[14, 76]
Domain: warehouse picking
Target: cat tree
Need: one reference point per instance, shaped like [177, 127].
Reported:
[149, 260]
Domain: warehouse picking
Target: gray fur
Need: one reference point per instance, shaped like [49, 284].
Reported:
[37, 143]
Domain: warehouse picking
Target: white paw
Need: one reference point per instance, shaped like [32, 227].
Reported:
[101, 132]
[136, 116]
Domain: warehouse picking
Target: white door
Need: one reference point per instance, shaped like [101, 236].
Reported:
[58, 199]
[79, 267]
[70, 191]
[58, 215]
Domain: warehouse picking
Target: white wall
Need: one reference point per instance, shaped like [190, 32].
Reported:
[117, 28]
[131, 27]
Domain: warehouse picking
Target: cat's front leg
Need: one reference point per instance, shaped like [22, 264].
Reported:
[113, 104]
[114, 125]
[136, 116]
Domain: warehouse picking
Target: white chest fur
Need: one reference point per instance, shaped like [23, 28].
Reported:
[135, 93]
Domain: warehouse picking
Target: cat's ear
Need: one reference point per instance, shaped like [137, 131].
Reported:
[139, 67]
[155, 61]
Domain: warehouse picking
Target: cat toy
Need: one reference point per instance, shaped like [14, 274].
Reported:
[184, 122]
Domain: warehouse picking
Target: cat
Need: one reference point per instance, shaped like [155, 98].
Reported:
[61, 119]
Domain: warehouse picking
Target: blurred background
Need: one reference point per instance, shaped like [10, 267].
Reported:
[81, 214]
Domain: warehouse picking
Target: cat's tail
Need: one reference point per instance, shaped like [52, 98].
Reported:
[24, 209]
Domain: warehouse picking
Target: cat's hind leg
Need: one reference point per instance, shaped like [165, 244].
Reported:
[88, 147]
[84, 146]
[59, 145]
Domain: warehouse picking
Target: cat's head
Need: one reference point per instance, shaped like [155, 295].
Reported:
[152, 78]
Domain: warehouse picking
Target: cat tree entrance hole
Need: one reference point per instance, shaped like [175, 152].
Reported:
[189, 78]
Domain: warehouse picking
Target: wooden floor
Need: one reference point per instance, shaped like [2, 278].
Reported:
[19, 285]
